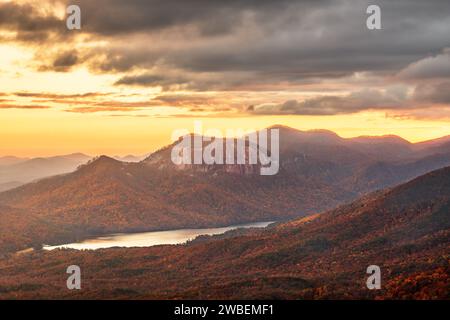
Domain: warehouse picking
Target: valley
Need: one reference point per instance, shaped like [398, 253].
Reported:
[404, 230]
[318, 171]
[243, 150]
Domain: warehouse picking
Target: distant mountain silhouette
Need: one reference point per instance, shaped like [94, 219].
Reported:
[17, 171]
[434, 143]
[9, 160]
[318, 171]
[131, 158]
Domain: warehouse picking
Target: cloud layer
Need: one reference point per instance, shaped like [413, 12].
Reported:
[249, 46]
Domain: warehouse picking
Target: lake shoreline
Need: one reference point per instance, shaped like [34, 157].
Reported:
[151, 238]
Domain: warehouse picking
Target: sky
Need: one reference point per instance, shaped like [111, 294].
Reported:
[137, 70]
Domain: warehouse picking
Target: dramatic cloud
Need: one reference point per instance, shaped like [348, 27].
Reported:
[29, 22]
[430, 67]
[210, 17]
[65, 61]
[149, 80]
[438, 93]
[254, 46]
[288, 40]
[284, 40]
[330, 105]
[44, 95]
[79, 103]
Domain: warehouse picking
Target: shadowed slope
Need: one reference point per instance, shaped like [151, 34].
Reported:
[404, 230]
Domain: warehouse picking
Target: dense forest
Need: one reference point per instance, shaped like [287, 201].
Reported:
[319, 171]
[404, 230]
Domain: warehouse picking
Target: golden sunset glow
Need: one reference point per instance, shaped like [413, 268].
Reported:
[102, 92]
[275, 152]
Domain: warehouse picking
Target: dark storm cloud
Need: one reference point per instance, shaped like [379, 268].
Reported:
[195, 81]
[209, 17]
[424, 95]
[285, 40]
[438, 93]
[277, 40]
[331, 105]
[30, 24]
[431, 67]
[65, 60]
[25, 18]
[151, 80]
[207, 45]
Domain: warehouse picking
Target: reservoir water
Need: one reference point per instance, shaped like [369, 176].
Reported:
[148, 239]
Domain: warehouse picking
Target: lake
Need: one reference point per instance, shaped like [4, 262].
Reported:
[148, 239]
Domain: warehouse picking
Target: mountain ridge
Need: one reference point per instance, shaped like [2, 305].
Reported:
[108, 196]
[405, 230]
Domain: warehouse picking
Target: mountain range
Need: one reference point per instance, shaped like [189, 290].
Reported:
[404, 230]
[318, 171]
[16, 171]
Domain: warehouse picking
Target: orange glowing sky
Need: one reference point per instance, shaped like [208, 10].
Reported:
[121, 86]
